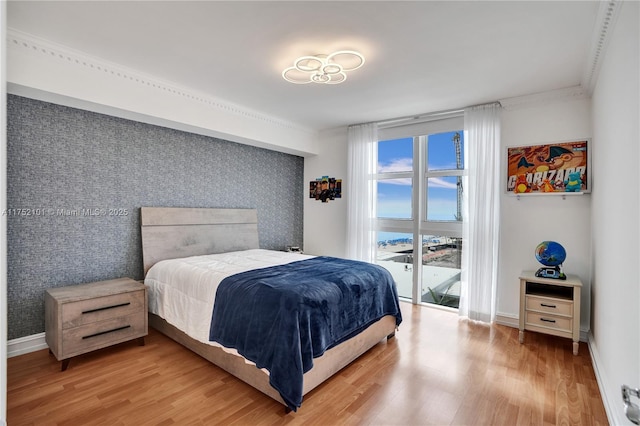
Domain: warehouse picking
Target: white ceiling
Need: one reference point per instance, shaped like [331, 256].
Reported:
[421, 56]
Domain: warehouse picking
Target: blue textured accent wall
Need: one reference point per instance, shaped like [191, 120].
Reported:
[77, 180]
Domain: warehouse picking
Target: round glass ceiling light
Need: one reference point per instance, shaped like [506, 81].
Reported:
[323, 69]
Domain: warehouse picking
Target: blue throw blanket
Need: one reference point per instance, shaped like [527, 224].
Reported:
[283, 316]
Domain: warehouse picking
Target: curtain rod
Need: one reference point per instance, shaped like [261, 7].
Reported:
[425, 115]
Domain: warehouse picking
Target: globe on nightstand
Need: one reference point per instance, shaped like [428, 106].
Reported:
[551, 255]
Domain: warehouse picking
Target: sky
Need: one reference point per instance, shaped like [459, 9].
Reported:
[394, 196]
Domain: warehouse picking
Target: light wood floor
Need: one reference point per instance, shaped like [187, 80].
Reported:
[439, 370]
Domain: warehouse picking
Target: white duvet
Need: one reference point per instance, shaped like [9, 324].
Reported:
[182, 291]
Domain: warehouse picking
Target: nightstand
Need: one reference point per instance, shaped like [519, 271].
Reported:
[86, 317]
[550, 306]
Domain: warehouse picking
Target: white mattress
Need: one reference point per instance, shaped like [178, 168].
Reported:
[182, 291]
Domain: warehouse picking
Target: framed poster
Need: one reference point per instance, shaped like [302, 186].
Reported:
[325, 188]
[558, 167]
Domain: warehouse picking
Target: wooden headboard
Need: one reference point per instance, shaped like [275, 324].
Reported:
[172, 232]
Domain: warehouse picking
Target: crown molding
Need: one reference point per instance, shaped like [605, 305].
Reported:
[602, 30]
[536, 99]
[606, 17]
[37, 46]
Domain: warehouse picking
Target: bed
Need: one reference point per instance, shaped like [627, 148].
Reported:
[189, 254]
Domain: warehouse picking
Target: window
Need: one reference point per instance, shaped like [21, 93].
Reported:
[419, 204]
[395, 178]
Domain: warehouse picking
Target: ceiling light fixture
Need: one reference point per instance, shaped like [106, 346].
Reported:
[325, 69]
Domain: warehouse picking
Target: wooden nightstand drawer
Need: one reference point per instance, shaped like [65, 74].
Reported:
[86, 317]
[86, 338]
[88, 311]
[553, 322]
[549, 305]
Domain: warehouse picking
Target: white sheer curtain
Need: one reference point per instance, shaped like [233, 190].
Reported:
[482, 213]
[361, 191]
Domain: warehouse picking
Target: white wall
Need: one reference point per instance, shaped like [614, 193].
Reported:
[616, 234]
[527, 221]
[325, 224]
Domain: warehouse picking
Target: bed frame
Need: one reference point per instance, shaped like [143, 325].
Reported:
[169, 232]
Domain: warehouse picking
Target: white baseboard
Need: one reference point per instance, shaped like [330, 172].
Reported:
[24, 345]
[507, 319]
[612, 403]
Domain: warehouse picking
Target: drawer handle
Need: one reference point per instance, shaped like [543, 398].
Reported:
[105, 332]
[547, 306]
[547, 320]
[106, 307]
